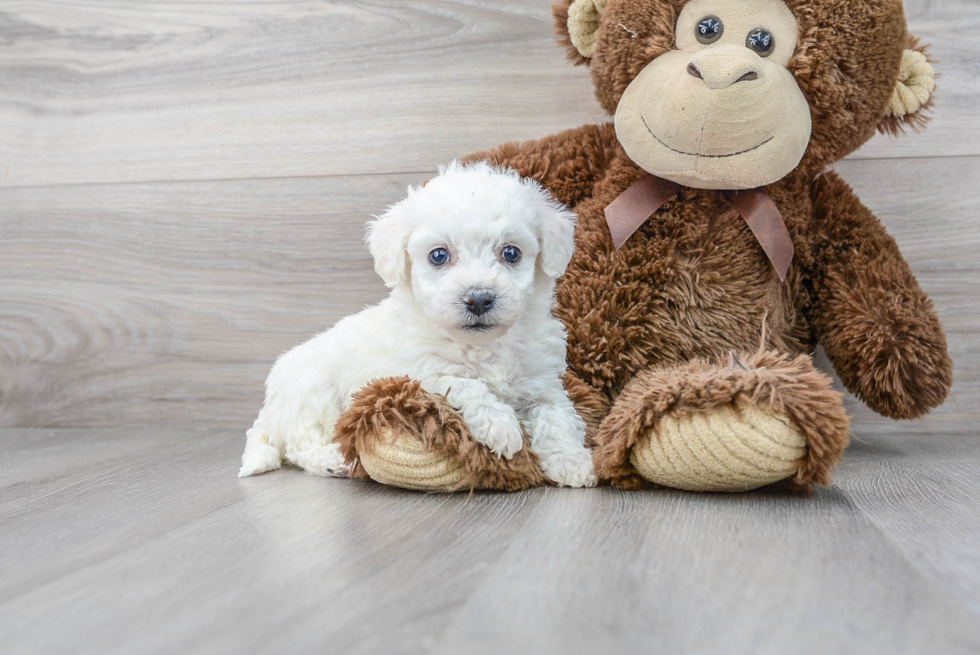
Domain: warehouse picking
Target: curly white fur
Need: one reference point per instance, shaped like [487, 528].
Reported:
[500, 370]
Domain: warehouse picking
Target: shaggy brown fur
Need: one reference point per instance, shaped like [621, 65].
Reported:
[877, 325]
[400, 406]
[692, 285]
[590, 404]
[773, 381]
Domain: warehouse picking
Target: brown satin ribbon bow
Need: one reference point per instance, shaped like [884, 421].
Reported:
[637, 204]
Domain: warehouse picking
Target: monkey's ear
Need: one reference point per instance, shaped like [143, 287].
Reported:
[386, 239]
[577, 25]
[912, 98]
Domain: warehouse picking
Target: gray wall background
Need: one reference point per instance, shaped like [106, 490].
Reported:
[183, 186]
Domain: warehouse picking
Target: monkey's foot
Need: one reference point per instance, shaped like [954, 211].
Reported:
[397, 434]
[732, 447]
[704, 427]
[401, 460]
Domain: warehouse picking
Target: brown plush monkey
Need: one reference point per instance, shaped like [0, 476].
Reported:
[714, 249]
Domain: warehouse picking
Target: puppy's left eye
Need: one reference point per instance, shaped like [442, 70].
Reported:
[439, 256]
[511, 254]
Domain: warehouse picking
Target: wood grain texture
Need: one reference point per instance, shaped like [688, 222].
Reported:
[914, 487]
[108, 92]
[166, 303]
[104, 91]
[182, 193]
[146, 542]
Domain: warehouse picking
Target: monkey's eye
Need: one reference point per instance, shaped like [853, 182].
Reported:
[760, 41]
[439, 256]
[709, 29]
[511, 254]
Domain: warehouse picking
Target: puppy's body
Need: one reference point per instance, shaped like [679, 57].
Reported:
[498, 368]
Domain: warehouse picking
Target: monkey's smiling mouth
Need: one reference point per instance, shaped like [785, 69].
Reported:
[697, 154]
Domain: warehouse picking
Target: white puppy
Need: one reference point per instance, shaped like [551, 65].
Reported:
[471, 259]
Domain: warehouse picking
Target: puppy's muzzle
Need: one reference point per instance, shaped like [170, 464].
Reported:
[479, 302]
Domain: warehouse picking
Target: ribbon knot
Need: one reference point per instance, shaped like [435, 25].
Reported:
[634, 206]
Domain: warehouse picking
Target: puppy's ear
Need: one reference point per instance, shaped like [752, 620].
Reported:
[556, 232]
[386, 240]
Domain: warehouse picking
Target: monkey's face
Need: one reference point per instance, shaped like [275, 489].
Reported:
[726, 94]
[721, 111]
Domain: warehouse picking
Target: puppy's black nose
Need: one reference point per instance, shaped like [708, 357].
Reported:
[479, 302]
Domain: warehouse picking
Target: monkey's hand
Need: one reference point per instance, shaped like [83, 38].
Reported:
[877, 325]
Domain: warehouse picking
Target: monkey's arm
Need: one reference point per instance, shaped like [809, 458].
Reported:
[875, 322]
[568, 163]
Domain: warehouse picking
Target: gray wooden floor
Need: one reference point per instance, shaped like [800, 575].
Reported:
[183, 186]
[122, 541]
[182, 193]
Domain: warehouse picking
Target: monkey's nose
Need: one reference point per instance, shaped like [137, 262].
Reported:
[479, 302]
[720, 72]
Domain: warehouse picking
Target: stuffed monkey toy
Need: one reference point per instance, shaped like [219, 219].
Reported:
[714, 251]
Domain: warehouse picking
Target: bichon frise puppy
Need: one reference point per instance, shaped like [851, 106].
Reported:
[471, 259]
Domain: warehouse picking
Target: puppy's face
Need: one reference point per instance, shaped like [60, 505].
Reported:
[475, 246]
[473, 277]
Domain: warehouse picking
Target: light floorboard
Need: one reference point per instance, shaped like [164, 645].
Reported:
[144, 541]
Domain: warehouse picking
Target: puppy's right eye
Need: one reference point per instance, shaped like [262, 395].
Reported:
[439, 256]
[511, 254]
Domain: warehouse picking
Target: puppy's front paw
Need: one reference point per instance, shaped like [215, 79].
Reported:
[496, 426]
[325, 461]
[570, 468]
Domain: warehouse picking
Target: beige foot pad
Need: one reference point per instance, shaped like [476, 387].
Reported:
[397, 434]
[732, 447]
[403, 462]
